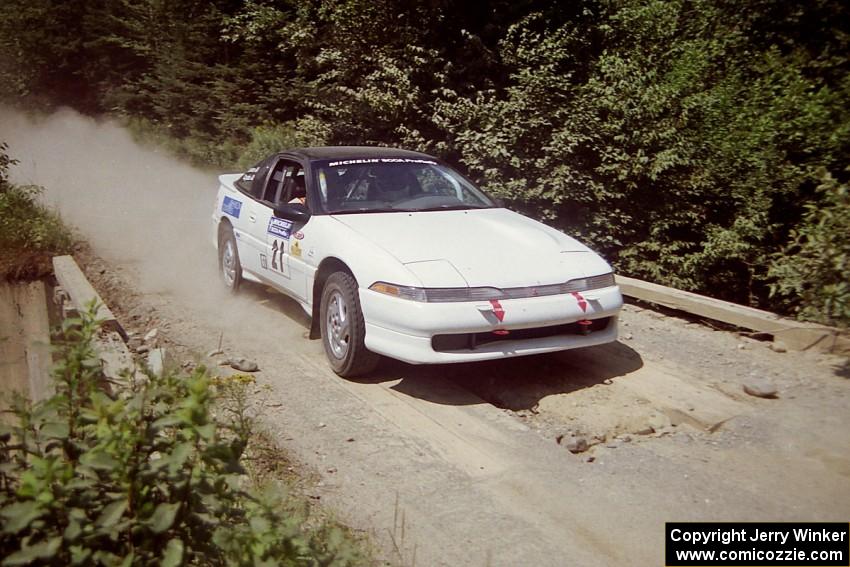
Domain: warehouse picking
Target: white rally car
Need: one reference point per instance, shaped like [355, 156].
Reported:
[393, 253]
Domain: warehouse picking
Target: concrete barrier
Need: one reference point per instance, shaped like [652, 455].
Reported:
[111, 347]
[81, 293]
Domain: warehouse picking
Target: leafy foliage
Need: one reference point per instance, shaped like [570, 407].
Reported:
[5, 163]
[646, 132]
[684, 139]
[266, 140]
[811, 272]
[148, 476]
[30, 234]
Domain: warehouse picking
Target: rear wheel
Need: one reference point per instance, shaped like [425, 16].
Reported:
[228, 260]
[343, 327]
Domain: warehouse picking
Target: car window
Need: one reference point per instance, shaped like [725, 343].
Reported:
[275, 185]
[438, 183]
[295, 188]
[388, 184]
[253, 181]
[244, 183]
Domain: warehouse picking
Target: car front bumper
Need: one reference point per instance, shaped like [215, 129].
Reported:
[405, 329]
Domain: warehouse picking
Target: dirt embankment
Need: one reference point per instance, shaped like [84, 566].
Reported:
[461, 465]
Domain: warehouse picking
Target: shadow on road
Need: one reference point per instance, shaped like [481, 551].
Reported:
[514, 383]
[843, 369]
[283, 304]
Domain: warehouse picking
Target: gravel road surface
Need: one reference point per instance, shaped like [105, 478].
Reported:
[464, 464]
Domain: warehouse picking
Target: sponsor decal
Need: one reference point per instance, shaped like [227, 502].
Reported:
[280, 227]
[231, 206]
[295, 249]
[497, 310]
[582, 302]
[298, 235]
[250, 174]
[381, 160]
[278, 250]
[264, 261]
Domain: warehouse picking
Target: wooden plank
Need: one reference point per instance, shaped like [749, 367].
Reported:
[81, 293]
[795, 334]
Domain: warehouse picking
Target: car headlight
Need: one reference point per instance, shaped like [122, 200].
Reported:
[402, 291]
[438, 294]
[458, 294]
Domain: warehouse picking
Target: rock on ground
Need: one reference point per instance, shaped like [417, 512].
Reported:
[760, 388]
[244, 365]
[156, 361]
[778, 346]
[576, 444]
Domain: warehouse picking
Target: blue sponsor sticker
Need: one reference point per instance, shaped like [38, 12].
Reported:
[280, 227]
[231, 207]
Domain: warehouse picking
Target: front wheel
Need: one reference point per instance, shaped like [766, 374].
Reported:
[343, 327]
[228, 260]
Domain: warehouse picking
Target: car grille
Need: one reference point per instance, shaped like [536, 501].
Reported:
[469, 341]
[453, 294]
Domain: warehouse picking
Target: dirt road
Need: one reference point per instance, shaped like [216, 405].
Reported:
[461, 465]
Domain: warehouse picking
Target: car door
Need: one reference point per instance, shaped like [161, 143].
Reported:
[296, 194]
[275, 234]
[244, 211]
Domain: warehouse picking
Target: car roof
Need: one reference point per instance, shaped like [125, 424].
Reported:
[352, 152]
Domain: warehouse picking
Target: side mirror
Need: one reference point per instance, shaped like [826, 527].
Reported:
[295, 212]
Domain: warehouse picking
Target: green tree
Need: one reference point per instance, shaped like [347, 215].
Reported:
[812, 273]
[644, 128]
[682, 138]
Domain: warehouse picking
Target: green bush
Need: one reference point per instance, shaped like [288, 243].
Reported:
[682, 139]
[266, 140]
[30, 234]
[643, 129]
[200, 150]
[812, 274]
[148, 476]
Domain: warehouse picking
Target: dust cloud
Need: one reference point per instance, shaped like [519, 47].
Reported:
[136, 206]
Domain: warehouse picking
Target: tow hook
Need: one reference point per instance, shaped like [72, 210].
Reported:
[584, 327]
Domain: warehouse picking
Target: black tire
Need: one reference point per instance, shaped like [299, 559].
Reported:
[343, 327]
[229, 267]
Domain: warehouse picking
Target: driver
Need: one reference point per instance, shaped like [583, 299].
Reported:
[299, 191]
[393, 184]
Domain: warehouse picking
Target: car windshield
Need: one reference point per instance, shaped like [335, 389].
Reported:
[377, 185]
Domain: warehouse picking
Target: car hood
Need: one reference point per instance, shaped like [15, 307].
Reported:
[486, 247]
